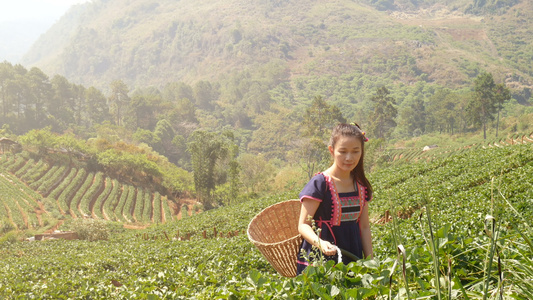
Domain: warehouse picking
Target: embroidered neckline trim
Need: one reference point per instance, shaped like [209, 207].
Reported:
[336, 216]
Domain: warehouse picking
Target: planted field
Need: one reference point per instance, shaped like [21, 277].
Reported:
[433, 212]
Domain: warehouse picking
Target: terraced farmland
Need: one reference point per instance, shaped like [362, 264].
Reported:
[420, 154]
[33, 188]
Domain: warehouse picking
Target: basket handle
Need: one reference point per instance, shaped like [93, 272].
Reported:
[341, 252]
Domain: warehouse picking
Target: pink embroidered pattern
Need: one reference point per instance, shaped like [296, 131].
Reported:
[336, 211]
[337, 216]
[362, 195]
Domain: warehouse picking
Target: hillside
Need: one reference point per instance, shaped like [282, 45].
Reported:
[440, 205]
[40, 190]
[151, 43]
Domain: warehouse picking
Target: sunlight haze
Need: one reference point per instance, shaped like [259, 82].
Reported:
[23, 21]
[23, 10]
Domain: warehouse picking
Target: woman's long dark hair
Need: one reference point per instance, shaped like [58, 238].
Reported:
[354, 130]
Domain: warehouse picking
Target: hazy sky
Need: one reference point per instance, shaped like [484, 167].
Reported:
[24, 10]
[23, 21]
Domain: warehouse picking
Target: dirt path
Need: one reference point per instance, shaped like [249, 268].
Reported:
[130, 226]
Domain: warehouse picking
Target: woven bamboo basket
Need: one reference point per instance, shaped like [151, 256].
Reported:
[274, 231]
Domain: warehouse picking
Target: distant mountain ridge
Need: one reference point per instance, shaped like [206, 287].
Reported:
[153, 42]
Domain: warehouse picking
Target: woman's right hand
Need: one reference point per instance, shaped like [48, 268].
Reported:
[327, 248]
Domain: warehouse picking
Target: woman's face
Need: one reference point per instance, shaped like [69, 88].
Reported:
[346, 153]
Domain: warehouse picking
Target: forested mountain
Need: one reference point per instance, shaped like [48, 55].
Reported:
[153, 42]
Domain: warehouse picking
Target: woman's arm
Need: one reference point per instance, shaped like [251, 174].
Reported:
[307, 212]
[366, 236]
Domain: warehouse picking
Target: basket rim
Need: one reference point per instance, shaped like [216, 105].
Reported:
[263, 244]
[259, 215]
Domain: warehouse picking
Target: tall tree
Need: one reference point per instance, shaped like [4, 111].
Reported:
[97, 108]
[162, 138]
[204, 95]
[40, 92]
[42, 139]
[255, 172]
[502, 94]
[234, 168]
[384, 112]
[139, 114]
[19, 94]
[59, 104]
[206, 149]
[78, 103]
[69, 143]
[311, 154]
[482, 105]
[119, 97]
[273, 137]
[177, 90]
[6, 73]
[316, 126]
[413, 116]
[442, 111]
[320, 117]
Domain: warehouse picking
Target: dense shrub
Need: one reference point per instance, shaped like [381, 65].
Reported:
[91, 229]
[9, 238]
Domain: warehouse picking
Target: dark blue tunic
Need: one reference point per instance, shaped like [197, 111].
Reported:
[337, 216]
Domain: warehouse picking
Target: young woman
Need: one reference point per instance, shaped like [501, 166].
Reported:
[337, 200]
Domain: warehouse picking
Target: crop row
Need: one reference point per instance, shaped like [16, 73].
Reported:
[55, 193]
[167, 212]
[66, 196]
[157, 215]
[16, 206]
[110, 202]
[51, 179]
[88, 201]
[30, 201]
[36, 172]
[126, 203]
[14, 163]
[76, 201]
[9, 212]
[143, 206]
